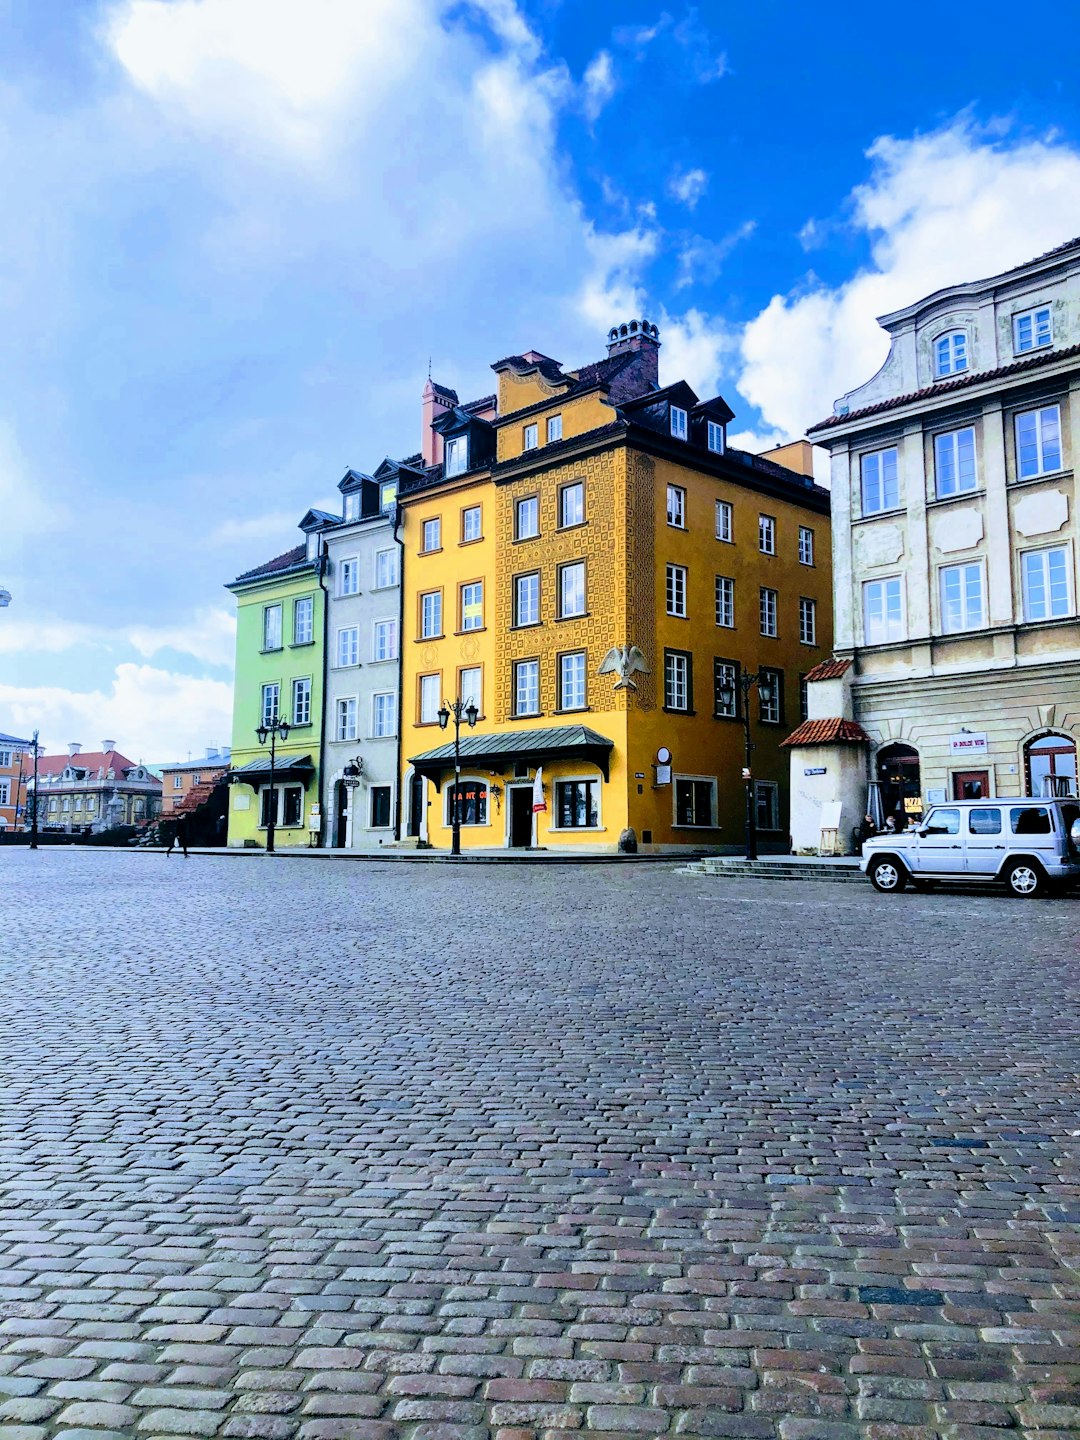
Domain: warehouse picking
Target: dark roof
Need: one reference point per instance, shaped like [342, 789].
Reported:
[565, 741]
[679, 391]
[296, 556]
[283, 768]
[444, 391]
[944, 387]
[14, 740]
[315, 519]
[599, 372]
[831, 669]
[550, 369]
[473, 407]
[828, 732]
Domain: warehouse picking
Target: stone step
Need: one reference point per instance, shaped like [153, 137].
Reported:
[845, 871]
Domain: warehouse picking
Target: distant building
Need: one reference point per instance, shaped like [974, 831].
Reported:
[15, 760]
[87, 793]
[181, 777]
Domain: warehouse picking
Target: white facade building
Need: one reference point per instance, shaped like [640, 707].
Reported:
[955, 541]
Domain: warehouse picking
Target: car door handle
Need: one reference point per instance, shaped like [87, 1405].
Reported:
[956, 847]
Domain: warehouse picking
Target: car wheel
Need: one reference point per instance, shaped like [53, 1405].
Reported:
[1025, 878]
[887, 875]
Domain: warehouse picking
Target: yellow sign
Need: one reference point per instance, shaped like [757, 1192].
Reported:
[912, 805]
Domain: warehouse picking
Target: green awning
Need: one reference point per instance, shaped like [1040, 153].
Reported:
[286, 767]
[508, 747]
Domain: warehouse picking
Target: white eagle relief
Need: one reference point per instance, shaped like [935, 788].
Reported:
[624, 661]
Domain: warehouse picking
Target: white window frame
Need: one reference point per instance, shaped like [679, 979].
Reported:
[429, 682]
[354, 648]
[391, 709]
[950, 354]
[391, 564]
[347, 718]
[467, 511]
[967, 622]
[371, 808]
[469, 692]
[886, 637]
[554, 429]
[879, 456]
[675, 588]
[766, 534]
[806, 545]
[519, 667]
[392, 647]
[769, 611]
[598, 791]
[350, 509]
[571, 487]
[947, 445]
[730, 678]
[534, 593]
[387, 495]
[530, 438]
[1042, 554]
[1039, 414]
[307, 601]
[471, 623]
[268, 611]
[678, 824]
[807, 620]
[297, 692]
[431, 614]
[679, 425]
[572, 567]
[519, 509]
[715, 437]
[1033, 318]
[430, 528]
[725, 522]
[349, 575]
[771, 711]
[676, 678]
[575, 655]
[456, 455]
[724, 597]
[270, 712]
[676, 507]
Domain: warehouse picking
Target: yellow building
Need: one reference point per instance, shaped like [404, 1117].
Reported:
[589, 563]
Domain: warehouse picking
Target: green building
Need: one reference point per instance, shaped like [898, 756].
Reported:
[280, 647]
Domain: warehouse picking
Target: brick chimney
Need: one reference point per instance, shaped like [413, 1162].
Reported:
[642, 339]
[437, 400]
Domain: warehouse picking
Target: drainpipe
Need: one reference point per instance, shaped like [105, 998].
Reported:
[399, 540]
[321, 567]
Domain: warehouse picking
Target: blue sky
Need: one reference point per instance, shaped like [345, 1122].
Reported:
[235, 231]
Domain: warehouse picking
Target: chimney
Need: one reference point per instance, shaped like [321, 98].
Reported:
[437, 400]
[108, 745]
[73, 750]
[211, 752]
[640, 338]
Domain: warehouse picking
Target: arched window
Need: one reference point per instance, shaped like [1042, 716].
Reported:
[1051, 765]
[473, 800]
[950, 354]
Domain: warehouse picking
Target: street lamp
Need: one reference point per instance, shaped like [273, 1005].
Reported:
[37, 799]
[457, 709]
[275, 729]
[729, 697]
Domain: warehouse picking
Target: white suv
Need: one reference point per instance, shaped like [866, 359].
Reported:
[1028, 844]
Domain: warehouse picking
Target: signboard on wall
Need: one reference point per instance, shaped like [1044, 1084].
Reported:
[969, 743]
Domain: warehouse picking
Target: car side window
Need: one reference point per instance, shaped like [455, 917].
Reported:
[942, 822]
[984, 822]
[1031, 820]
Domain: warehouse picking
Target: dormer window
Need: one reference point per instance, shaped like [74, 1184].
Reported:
[387, 495]
[716, 438]
[312, 546]
[1032, 330]
[352, 506]
[678, 423]
[456, 455]
[950, 354]
[532, 437]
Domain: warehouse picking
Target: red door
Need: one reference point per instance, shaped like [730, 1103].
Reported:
[971, 785]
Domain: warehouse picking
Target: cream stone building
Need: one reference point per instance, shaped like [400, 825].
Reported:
[955, 544]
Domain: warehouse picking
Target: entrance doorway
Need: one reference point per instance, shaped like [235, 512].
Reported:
[521, 816]
[901, 784]
[1051, 765]
[341, 812]
[416, 804]
[971, 785]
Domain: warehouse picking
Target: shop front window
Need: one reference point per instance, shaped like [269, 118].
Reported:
[472, 800]
[1051, 765]
[901, 784]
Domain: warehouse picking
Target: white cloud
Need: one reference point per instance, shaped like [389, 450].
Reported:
[701, 260]
[210, 636]
[696, 348]
[688, 186]
[958, 204]
[599, 84]
[153, 715]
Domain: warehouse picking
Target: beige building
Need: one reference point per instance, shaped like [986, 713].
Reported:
[955, 543]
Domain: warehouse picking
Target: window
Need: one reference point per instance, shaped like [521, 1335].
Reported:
[527, 687]
[767, 804]
[767, 609]
[807, 621]
[430, 699]
[1031, 820]
[961, 597]
[431, 536]
[880, 481]
[1032, 330]
[66, 803]
[725, 602]
[531, 438]
[5, 792]
[678, 423]
[270, 697]
[177, 782]
[349, 576]
[383, 714]
[303, 620]
[577, 804]
[725, 529]
[554, 428]
[91, 803]
[771, 697]
[380, 807]
[387, 495]
[676, 506]
[271, 627]
[471, 686]
[348, 645]
[384, 640]
[572, 589]
[954, 462]
[313, 542]
[716, 437]
[725, 678]
[527, 518]
[676, 590]
[806, 545]
[471, 797]
[196, 779]
[386, 569]
[950, 354]
[883, 611]
[572, 681]
[572, 505]
[456, 455]
[984, 822]
[766, 529]
[695, 801]
[943, 822]
[527, 599]
[1045, 575]
[1051, 765]
[678, 681]
[301, 703]
[52, 802]
[346, 719]
[1038, 441]
[351, 507]
[472, 605]
[431, 614]
[471, 524]
[6, 759]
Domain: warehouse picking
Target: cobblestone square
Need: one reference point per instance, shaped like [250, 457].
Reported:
[362, 1151]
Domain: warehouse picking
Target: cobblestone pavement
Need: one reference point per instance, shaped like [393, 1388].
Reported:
[354, 1152]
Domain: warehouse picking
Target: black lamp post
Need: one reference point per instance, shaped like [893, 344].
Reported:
[457, 709]
[275, 728]
[37, 801]
[729, 696]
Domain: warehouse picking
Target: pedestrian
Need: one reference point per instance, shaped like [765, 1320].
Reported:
[167, 831]
[867, 830]
[890, 825]
[182, 833]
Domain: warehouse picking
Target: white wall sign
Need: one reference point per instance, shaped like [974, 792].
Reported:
[968, 743]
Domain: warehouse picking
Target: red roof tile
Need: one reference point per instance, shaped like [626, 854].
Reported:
[92, 761]
[827, 732]
[828, 670]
